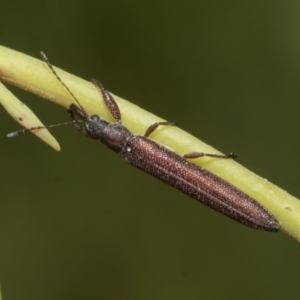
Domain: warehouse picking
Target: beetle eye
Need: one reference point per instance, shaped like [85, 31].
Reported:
[95, 118]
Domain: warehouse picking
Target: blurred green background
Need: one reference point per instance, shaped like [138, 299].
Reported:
[83, 224]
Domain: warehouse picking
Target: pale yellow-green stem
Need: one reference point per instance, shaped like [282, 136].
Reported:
[33, 75]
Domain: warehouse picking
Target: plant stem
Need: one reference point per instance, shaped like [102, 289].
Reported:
[33, 75]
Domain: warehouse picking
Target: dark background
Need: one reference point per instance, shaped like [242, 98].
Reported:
[82, 224]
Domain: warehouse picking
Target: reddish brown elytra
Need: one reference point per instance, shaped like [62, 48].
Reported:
[165, 164]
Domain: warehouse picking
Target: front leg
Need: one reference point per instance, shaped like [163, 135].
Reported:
[75, 122]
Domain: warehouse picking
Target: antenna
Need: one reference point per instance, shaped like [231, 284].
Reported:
[25, 130]
[21, 131]
[47, 61]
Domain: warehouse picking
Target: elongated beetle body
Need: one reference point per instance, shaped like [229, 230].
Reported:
[164, 164]
[173, 169]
